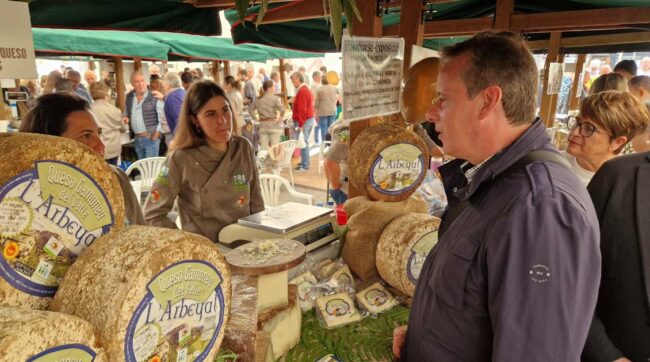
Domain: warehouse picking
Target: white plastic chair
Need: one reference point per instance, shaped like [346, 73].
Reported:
[324, 146]
[149, 169]
[282, 154]
[271, 186]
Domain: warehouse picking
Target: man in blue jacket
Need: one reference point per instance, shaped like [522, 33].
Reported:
[515, 274]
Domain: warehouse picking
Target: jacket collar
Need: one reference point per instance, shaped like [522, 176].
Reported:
[533, 138]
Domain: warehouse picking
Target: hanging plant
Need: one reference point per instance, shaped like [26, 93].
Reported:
[337, 9]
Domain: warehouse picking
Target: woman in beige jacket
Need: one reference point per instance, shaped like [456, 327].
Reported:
[211, 172]
[109, 119]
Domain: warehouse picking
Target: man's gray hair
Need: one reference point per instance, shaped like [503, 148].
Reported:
[173, 79]
[137, 72]
[73, 73]
[299, 76]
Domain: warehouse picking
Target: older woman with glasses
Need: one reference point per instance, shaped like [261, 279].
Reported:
[606, 123]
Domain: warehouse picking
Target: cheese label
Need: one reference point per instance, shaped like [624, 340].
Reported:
[68, 352]
[397, 169]
[48, 216]
[376, 299]
[418, 255]
[180, 316]
[337, 309]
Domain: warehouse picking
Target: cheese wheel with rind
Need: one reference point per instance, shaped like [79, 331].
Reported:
[387, 162]
[57, 196]
[152, 292]
[27, 335]
[403, 247]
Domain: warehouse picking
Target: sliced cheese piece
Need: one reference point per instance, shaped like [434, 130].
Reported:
[57, 197]
[272, 290]
[154, 294]
[387, 162]
[304, 282]
[376, 299]
[283, 326]
[337, 310]
[342, 278]
[32, 335]
[403, 246]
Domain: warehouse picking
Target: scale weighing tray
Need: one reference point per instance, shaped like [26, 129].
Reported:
[284, 218]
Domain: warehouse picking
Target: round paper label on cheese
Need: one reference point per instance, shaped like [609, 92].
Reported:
[397, 169]
[48, 216]
[180, 317]
[337, 307]
[376, 297]
[419, 253]
[67, 352]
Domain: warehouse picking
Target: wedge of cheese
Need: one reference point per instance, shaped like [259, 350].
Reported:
[337, 310]
[403, 247]
[33, 335]
[376, 299]
[57, 197]
[283, 326]
[387, 162]
[154, 293]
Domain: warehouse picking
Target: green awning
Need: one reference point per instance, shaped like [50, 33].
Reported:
[99, 43]
[196, 47]
[152, 15]
[280, 53]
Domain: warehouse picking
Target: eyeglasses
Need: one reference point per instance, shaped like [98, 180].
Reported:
[584, 129]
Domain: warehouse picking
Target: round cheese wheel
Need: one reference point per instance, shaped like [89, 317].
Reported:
[156, 294]
[34, 335]
[387, 162]
[403, 246]
[57, 197]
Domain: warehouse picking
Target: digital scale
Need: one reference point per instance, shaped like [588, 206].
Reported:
[313, 226]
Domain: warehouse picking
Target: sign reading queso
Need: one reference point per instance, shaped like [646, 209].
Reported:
[17, 59]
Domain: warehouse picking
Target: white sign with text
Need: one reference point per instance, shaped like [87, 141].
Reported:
[17, 59]
[372, 74]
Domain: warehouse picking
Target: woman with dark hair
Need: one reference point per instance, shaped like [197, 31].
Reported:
[211, 172]
[270, 111]
[67, 115]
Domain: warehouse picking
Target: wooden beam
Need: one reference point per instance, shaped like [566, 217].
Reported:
[577, 85]
[216, 70]
[137, 64]
[221, 3]
[503, 14]
[545, 111]
[164, 67]
[119, 82]
[595, 19]
[594, 40]
[299, 10]
[442, 28]
[226, 68]
[411, 28]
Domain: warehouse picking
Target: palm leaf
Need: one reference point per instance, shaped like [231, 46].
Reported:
[241, 6]
[350, 9]
[264, 6]
[336, 17]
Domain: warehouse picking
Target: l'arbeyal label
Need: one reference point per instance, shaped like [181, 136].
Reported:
[48, 215]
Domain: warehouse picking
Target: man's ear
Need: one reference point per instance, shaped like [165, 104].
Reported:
[491, 100]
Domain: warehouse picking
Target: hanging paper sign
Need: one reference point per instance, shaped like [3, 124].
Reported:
[17, 60]
[372, 72]
[555, 74]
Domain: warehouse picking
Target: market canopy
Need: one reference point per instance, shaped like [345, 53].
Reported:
[153, 15]
[196, 47]
[99, 43]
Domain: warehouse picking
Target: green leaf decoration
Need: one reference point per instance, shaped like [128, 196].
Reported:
[264, 6]
[226, 356]
[241, 6]
[336, 17]
[371, 339]
[350, 8]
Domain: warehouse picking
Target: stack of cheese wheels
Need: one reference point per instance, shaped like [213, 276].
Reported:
[403, 246]
[155, 294]
[34, 335]
[387, 162]
[57, 197]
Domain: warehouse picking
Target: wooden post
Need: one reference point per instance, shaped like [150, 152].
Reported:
[91, 65]
[164, 67]
[226, 68]
[503, 14]
[411, 28]
[371, 26]
[546, 113]
[119, 82]
[137, 64]
[283, 84]
[216, 77]
[574, 98]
